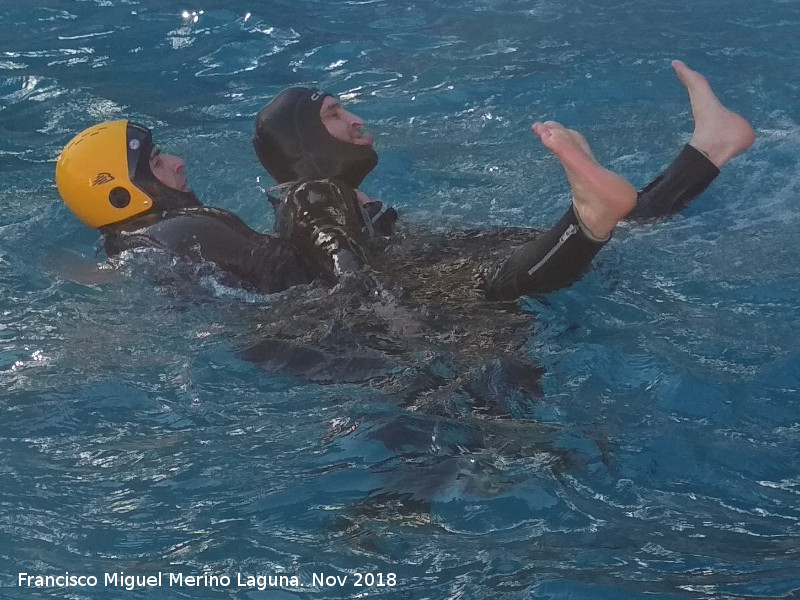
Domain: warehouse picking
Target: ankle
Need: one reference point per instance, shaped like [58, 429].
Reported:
[596, 229]
[716, 156]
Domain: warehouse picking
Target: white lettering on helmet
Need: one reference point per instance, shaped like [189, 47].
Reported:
[316, 96]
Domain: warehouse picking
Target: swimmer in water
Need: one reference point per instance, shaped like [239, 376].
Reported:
[114, 178]
[307, 140]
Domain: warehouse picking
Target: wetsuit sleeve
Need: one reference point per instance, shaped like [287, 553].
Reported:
[686, 178]
[257, 262]
[554, 260]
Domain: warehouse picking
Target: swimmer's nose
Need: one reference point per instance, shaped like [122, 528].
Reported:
[180, 165]
[355, 121]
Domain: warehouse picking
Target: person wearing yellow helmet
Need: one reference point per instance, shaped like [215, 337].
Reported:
[113, 178]
[106, 175]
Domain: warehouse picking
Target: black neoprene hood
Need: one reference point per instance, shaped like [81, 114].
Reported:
[140, 146]
[293, 145]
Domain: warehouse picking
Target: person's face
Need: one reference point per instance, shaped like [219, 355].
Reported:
[169, 170]
[341, 124]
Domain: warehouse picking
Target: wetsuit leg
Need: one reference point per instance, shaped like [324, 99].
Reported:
[554, 260]
[562, 255]
[319, 218]
[688, 175]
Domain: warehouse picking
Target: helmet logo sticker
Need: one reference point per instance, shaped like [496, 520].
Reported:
[134, 144]
[103, 178]
[315, 96]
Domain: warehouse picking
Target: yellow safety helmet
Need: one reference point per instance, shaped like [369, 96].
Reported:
[95, 173]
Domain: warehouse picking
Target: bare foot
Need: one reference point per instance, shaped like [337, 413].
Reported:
[719, 133]
[601, 198]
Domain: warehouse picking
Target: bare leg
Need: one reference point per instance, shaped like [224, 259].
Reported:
[601, 198]
[719, 133]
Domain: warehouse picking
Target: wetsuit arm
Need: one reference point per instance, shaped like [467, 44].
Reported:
[686, 178]
[554, 260]
[257, 262]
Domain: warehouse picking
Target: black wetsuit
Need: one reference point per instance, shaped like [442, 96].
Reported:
[415, 312]
[322, 234]
[256, 262]
[320, 218]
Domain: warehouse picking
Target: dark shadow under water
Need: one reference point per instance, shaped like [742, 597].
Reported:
[414, 328]
[452, 368]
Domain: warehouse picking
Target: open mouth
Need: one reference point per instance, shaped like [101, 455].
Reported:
[363, 140]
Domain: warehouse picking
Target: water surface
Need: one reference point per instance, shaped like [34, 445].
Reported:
[661, 460]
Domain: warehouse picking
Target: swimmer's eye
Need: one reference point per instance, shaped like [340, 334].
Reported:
[155, 158]
[333, 112]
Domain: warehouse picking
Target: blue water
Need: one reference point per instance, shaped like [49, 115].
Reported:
[663, 460]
